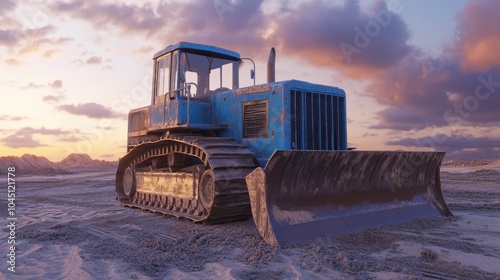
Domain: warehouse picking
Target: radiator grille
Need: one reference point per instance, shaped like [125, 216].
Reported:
[255, 119]
[317, 121]
[138, 121]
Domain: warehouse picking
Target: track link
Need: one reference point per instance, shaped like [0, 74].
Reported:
[229, 162]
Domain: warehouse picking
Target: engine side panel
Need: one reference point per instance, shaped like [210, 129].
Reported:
[315, 114]
[260, 133]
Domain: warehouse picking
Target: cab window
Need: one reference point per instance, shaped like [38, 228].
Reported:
[163, 75]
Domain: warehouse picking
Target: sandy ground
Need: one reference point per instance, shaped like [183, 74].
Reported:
[71, 227]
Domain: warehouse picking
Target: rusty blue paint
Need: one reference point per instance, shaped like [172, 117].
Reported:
[300, 115]
[228, 111]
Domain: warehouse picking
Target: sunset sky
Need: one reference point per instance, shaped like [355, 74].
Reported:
[419, 75]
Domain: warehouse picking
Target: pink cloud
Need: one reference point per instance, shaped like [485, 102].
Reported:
[21, 141]
[94, 60]
[91, 110]
[7, 5]
[479, 36]
[13, 62]
[12, 118]
[130, 17]
[458, 87]
[24, 137]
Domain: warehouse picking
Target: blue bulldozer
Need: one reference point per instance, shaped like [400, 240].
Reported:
[209, 151]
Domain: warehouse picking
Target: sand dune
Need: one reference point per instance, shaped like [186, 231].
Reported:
[71, 227]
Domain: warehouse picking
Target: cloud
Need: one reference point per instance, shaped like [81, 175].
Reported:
[457, 146]
[238, 27]
[479, 39]
[343, 36]
[316, 31]
[372, 44]
[129, 17]
[23, 138]
[94, 60]
[22, 40]
[31, 40]
[368, 134]
[32, 85]
[144, 50]
[52, 52]
[21, 141]
[53, 98]
[6, 6]
[313, 30]
[9, 38]
[9, 35]
[91, 110]
[35, 45]
[43, 131]
[460, 86]
[56, 84]
[11, 118]
[13, 62]
[70, 138]
[408, 118]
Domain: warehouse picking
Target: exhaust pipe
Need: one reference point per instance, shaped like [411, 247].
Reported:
[271, 71]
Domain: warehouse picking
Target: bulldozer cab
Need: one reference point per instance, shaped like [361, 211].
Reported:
[187, 70]
[186, 76]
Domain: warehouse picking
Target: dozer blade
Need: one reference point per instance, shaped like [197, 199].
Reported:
[301, 195]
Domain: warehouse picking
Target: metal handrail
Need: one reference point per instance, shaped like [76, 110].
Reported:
[177, 95]
[189, 99]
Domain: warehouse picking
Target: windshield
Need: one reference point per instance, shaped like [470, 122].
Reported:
[201, 75]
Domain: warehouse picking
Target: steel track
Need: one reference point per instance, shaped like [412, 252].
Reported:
[229, 162]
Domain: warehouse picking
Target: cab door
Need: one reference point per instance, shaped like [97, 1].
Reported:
[163, 85]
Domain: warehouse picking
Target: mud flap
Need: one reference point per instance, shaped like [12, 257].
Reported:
[301, 195]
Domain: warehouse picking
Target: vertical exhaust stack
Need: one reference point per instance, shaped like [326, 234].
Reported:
[271, 69]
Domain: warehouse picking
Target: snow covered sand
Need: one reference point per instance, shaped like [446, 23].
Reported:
[71, 227]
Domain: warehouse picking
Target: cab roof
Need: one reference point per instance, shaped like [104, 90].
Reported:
[200, 49]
